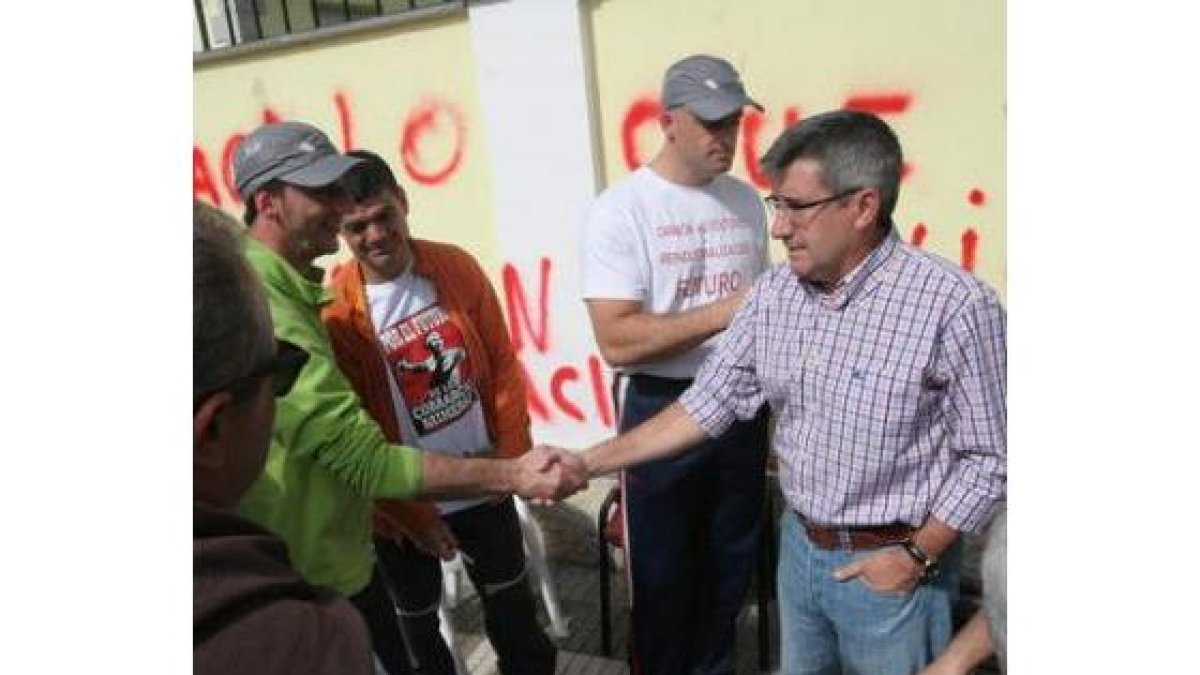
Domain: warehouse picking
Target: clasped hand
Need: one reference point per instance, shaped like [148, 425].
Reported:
[548, 474]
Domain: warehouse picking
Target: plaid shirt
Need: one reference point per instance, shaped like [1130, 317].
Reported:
[889, 391]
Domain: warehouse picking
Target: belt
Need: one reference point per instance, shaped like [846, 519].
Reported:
[656, 383]
[855, 538]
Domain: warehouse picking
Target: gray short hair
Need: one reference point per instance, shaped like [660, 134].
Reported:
[854, 150]
[231, 328]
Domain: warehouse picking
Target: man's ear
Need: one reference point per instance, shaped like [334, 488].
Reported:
[666, 122]
[264, 202]
[208, 440]
[868, 203]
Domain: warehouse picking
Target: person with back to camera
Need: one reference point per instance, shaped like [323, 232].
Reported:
[252, 613]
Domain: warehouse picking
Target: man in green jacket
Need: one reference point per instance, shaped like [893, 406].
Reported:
[328, 459]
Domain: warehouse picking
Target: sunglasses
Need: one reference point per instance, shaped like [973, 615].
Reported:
[283, 368]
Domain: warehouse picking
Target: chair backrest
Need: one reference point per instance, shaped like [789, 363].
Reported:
[614, 519]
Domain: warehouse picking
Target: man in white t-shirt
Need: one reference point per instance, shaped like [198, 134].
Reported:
[667, 255]
[418, 331]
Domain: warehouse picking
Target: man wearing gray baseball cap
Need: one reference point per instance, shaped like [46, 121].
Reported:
[329, 461]
[708, 86]
[667, 256]
[293, 166]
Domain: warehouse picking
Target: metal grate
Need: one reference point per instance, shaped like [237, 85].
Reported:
[220, 24]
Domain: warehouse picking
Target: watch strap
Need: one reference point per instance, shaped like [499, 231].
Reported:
[928, 564]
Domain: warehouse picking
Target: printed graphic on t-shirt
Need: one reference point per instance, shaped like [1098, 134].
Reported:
[426, 355]
[709, 255]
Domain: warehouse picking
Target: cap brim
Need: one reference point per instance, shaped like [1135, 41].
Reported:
[711, 109]
[325, 171]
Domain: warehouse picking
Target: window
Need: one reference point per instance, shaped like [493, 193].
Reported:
[218, 24]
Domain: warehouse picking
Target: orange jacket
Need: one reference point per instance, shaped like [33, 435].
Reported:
[465, 293]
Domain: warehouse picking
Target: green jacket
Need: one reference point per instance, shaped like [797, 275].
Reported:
[328, 459]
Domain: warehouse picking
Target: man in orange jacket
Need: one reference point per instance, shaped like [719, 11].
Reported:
[448, 382]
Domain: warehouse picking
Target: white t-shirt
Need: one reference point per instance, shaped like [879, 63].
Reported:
[673, 247]
[434, 392]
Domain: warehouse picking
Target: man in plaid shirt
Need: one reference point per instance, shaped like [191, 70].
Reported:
[885, 369]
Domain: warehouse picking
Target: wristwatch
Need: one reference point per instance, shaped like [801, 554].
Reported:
[929, 566]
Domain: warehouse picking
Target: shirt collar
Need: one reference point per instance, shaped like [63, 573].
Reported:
[851, 285]
[277, 273]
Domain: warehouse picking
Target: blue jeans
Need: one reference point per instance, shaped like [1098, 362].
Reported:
[694, 523]
[833, 628]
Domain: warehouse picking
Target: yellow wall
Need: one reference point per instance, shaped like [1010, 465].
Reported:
[415, 76]
[938, 63]
[934, 69]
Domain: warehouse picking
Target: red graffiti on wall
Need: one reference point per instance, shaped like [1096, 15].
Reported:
[968, 244]
[517, 305]
[642, 111]
[345, 120]
[918, 235]
[968, 241]
[879, 103]
[202, 178]
[231, 146]
[646, 109]
[422, 126]
[529, 327]
[752, 124]
[421, 122]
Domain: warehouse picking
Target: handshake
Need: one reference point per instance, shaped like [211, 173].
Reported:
[547, 474]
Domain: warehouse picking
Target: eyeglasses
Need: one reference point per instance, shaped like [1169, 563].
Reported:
[284, 367]
[778, 204]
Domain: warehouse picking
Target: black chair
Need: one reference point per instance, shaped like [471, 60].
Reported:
[610, 534]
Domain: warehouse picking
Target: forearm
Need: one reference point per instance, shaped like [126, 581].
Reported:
[452, 477]
[641, 337]
[967, 650]
[346, 442]
[668, 433]
[934, 537]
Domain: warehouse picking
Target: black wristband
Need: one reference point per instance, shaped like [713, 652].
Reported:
[928, 566]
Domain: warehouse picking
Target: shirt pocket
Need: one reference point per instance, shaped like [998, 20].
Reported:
[876, 403]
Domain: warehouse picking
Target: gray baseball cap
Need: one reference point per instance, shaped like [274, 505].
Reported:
[291, 152]
[709, 87]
